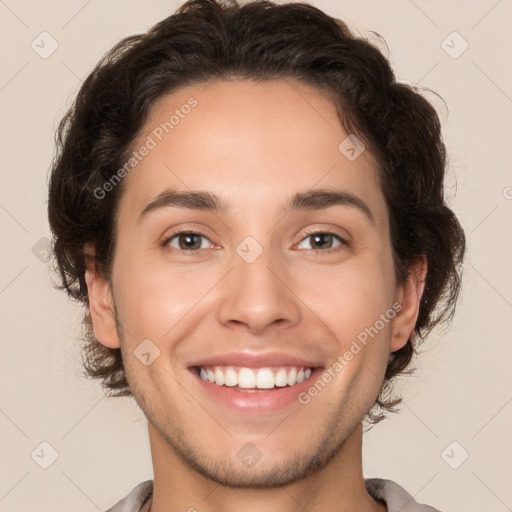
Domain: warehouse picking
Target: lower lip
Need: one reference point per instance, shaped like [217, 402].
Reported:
[256, 402]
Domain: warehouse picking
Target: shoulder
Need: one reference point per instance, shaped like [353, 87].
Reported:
[395, 496]
[135, 500]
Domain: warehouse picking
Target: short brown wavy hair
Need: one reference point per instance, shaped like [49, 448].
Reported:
[207, 40]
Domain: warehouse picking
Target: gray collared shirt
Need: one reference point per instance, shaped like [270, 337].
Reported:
[396, 498]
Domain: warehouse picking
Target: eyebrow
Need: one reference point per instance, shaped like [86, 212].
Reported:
[314, 199]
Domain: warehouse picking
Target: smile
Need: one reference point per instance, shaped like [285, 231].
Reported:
[254, 391]
[254, 378]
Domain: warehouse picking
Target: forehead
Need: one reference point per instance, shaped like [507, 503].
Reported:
[257, 142]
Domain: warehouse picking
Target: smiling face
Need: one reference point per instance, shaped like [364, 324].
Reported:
[251, 281]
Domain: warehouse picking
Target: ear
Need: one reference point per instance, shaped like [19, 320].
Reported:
[409, 296]
[101, 304]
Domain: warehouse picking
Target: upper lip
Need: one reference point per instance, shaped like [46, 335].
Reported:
[255, 360]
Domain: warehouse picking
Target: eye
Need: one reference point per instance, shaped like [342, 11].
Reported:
[323, 239]
[191, 241]
[187, 241]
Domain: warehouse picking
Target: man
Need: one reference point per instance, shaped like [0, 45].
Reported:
[251, 210]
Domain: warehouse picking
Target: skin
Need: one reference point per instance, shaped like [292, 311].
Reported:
[255, 144]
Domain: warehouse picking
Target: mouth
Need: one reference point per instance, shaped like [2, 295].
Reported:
[254, 389]
[249, 380]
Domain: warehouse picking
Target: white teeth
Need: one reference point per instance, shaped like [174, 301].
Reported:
[292, 377]
[260, 378]
[230, 377]
[265, 378]
[281, 379]
[246, 378]
[219, 377]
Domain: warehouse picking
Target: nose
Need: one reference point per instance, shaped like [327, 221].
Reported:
[258, 295]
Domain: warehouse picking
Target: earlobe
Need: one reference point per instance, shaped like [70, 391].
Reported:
[100, 302]
[409, 296]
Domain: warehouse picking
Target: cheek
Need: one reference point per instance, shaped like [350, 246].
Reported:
[154, 296]
[350, 297]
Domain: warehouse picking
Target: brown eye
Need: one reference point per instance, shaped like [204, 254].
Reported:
[323, 240]
[186, 241]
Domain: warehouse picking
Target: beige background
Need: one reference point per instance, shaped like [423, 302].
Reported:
[462, 390]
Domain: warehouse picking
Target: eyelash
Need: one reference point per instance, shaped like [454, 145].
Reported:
[307, 234]
[327, 231]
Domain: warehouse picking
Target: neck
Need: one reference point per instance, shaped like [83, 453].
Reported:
[337, 487]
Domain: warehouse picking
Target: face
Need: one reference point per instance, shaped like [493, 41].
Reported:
[258, 293]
